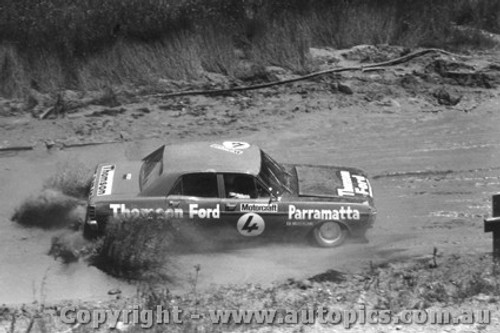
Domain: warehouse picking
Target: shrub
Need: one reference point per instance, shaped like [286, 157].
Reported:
[135, 248]
[72, 179]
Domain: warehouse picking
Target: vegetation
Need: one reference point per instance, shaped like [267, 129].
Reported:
[135, 248]
[71, 178]
[48, 45]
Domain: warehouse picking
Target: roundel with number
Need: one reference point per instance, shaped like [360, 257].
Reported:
[237, 145]
[251, 224]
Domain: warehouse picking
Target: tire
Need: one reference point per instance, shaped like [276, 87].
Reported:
[330, 234]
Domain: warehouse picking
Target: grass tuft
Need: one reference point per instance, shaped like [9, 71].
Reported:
[135, 248]
[71, 179]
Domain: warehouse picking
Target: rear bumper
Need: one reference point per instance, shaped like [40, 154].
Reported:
[93, 225]
[493, 223]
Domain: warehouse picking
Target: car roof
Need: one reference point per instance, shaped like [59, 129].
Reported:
[211, 157]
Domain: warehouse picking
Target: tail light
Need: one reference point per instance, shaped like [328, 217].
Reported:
[91, 212]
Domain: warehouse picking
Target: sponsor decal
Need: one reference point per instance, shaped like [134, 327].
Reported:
[235, 147]
[354, 184]
[323, 214]
[299, 223]
[122, 210]
[194, 212]
[251, 224]
[105, 181]
[255, 207]
[204, 213]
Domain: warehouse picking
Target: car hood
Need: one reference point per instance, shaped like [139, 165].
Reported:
[332, 181]
[115, 179]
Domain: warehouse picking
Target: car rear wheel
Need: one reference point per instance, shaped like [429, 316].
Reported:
[330, 234]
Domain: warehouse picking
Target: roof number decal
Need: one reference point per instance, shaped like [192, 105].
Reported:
[235, 147]
[251, 224]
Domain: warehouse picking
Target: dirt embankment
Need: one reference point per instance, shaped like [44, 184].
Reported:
[424, 129]
[429, 83]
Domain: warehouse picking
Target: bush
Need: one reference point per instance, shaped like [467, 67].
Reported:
[135, 248]
[72, 179]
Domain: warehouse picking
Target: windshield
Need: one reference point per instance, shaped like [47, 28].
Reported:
[273, 174]
[152, 167]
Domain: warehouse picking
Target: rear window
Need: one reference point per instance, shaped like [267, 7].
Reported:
[152, 168]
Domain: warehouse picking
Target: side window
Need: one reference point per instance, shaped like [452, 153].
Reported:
[242, 186]
[197, 185]
[262, 191]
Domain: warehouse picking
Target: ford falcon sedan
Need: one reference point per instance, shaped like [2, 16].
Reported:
[236, 185]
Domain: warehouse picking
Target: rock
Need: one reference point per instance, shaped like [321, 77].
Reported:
[276, 73]
[483, 298]
[114, 291]
[389, 102]
[108, 98]
[324, 56]
[249, 71]
[301, 284]
[143, 110]
[330, 275]
[216, 78]
[445, 98]
[106, 112]
[344, 88]
[36, 98]
[371, 53]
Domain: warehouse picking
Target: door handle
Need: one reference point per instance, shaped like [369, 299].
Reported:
[174, 203]
[231, 206]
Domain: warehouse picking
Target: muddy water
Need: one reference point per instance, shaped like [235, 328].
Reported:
[433, 178]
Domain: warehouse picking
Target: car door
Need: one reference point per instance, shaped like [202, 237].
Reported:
[196, 195]
[249, 207]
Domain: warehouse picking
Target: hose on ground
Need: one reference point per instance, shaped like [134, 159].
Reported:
[373, 66]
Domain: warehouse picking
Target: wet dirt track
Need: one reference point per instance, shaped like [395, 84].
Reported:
[433, 176]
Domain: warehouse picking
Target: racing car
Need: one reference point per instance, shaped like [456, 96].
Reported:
[236, 185]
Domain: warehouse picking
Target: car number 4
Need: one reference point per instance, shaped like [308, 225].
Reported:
[251, 224]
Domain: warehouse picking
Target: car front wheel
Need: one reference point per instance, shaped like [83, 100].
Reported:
[330, 234]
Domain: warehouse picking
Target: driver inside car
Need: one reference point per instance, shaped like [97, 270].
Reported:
[239, 186]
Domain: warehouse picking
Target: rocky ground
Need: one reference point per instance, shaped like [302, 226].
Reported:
[428, 84]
